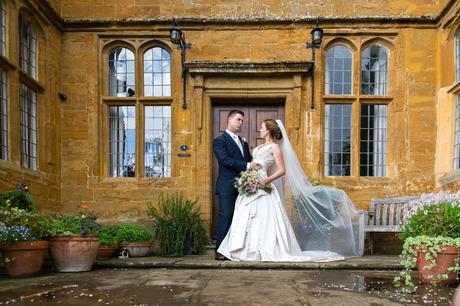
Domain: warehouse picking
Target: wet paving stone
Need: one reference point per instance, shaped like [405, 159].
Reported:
[217, 287]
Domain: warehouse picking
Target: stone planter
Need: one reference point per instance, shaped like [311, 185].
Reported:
[138, 249]
[445, 259]
[108, 251]
[74, 253]
[24, 259]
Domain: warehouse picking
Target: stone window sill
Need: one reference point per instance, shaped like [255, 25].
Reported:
[449, 178]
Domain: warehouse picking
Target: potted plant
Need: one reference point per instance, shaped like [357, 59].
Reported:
[22, 241]
[431, 239]
[19, 198]
[135, 238]
[108, 241]
[74, 241]
[178, 226]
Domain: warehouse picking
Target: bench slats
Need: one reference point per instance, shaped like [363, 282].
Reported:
[387, 215]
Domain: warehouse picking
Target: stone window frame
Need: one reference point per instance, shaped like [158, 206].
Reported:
[357, 44]
[138, 45]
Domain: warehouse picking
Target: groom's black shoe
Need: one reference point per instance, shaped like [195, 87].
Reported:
[220, 257]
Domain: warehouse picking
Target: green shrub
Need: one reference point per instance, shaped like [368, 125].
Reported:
[19, 198]
[133, 232]
[74, 225]
[177, 222]
[108, 235]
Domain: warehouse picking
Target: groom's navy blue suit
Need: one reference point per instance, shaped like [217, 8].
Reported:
[231, 163]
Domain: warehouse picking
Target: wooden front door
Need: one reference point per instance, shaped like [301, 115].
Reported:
[254, 115]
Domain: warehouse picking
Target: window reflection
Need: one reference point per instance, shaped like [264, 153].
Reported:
[121, 73]
[374, 71]
[157, 72]
[337, 140]
[338, 71]
[157, 146]
[27, 46]
[373, 139]
[122, 141]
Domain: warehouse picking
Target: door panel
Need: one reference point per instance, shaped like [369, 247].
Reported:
[254, 115]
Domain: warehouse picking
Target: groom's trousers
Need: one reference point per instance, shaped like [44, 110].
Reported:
[226, 208]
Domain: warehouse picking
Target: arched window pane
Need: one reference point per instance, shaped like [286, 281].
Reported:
[27, 47]
[374, 71]
[121, 73]
[3, 29]
[157, 72]
[338, 71]
[457, 56]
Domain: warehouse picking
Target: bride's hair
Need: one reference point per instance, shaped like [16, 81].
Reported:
[273, 128]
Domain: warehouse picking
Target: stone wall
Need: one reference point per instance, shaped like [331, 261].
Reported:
[45, 183]
[138, 9]
[73, 133]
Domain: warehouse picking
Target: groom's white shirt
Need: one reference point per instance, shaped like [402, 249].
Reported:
[236, 139]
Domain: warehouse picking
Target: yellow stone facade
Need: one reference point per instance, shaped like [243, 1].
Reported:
[75, 38]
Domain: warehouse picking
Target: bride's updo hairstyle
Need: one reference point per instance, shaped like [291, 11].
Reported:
[273, 128]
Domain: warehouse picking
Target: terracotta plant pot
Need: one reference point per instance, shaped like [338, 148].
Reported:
[445, 259]
[108, 251]
[24, 259]
[74, 253]
[138, 249]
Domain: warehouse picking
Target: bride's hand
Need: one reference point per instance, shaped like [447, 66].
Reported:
[263, 182]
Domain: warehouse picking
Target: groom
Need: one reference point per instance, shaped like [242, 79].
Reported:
[233, 156]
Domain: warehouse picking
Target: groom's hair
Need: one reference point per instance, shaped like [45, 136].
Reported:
[233, 112]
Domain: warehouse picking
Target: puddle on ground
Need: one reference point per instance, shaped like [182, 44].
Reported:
[380, 284]
[174, 287]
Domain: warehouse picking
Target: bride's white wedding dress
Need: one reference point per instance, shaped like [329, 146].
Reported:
[261, 230]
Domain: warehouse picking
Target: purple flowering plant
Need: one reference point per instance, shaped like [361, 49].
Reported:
[433, 214]
[248, 183]
[431, 222]
[19, 225]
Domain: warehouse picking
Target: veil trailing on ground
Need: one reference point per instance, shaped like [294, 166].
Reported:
[323, 218]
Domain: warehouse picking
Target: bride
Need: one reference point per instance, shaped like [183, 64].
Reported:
[323, 224]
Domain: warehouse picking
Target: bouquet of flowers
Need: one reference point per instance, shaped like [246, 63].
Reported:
[248, 183]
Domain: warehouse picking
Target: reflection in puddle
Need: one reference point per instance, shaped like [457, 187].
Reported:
[380, 284]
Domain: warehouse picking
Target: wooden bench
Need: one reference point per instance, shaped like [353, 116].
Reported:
[386, 215]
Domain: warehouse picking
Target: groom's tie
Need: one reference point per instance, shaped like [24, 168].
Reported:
[238, 143]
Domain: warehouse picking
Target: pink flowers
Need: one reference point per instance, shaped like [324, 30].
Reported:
[430, 199]
[248, 183]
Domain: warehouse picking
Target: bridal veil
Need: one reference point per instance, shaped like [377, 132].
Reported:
[323, 218]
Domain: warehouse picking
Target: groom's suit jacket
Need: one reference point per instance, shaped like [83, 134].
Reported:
[231, 161]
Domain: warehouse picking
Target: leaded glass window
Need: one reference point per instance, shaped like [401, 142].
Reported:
[3, 27]
[157, 144]
[337, 140]
[27, 46]
[338, 71]
[122, 141]
[457, 56]
[373, 148]
[122, 77]
[374, 71]
[157, 72]
[28, 106]
[457, 134]
[3, 115]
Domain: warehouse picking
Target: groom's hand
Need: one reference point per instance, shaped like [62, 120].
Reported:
[255, 165]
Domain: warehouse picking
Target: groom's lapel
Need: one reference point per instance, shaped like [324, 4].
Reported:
[230, 139]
